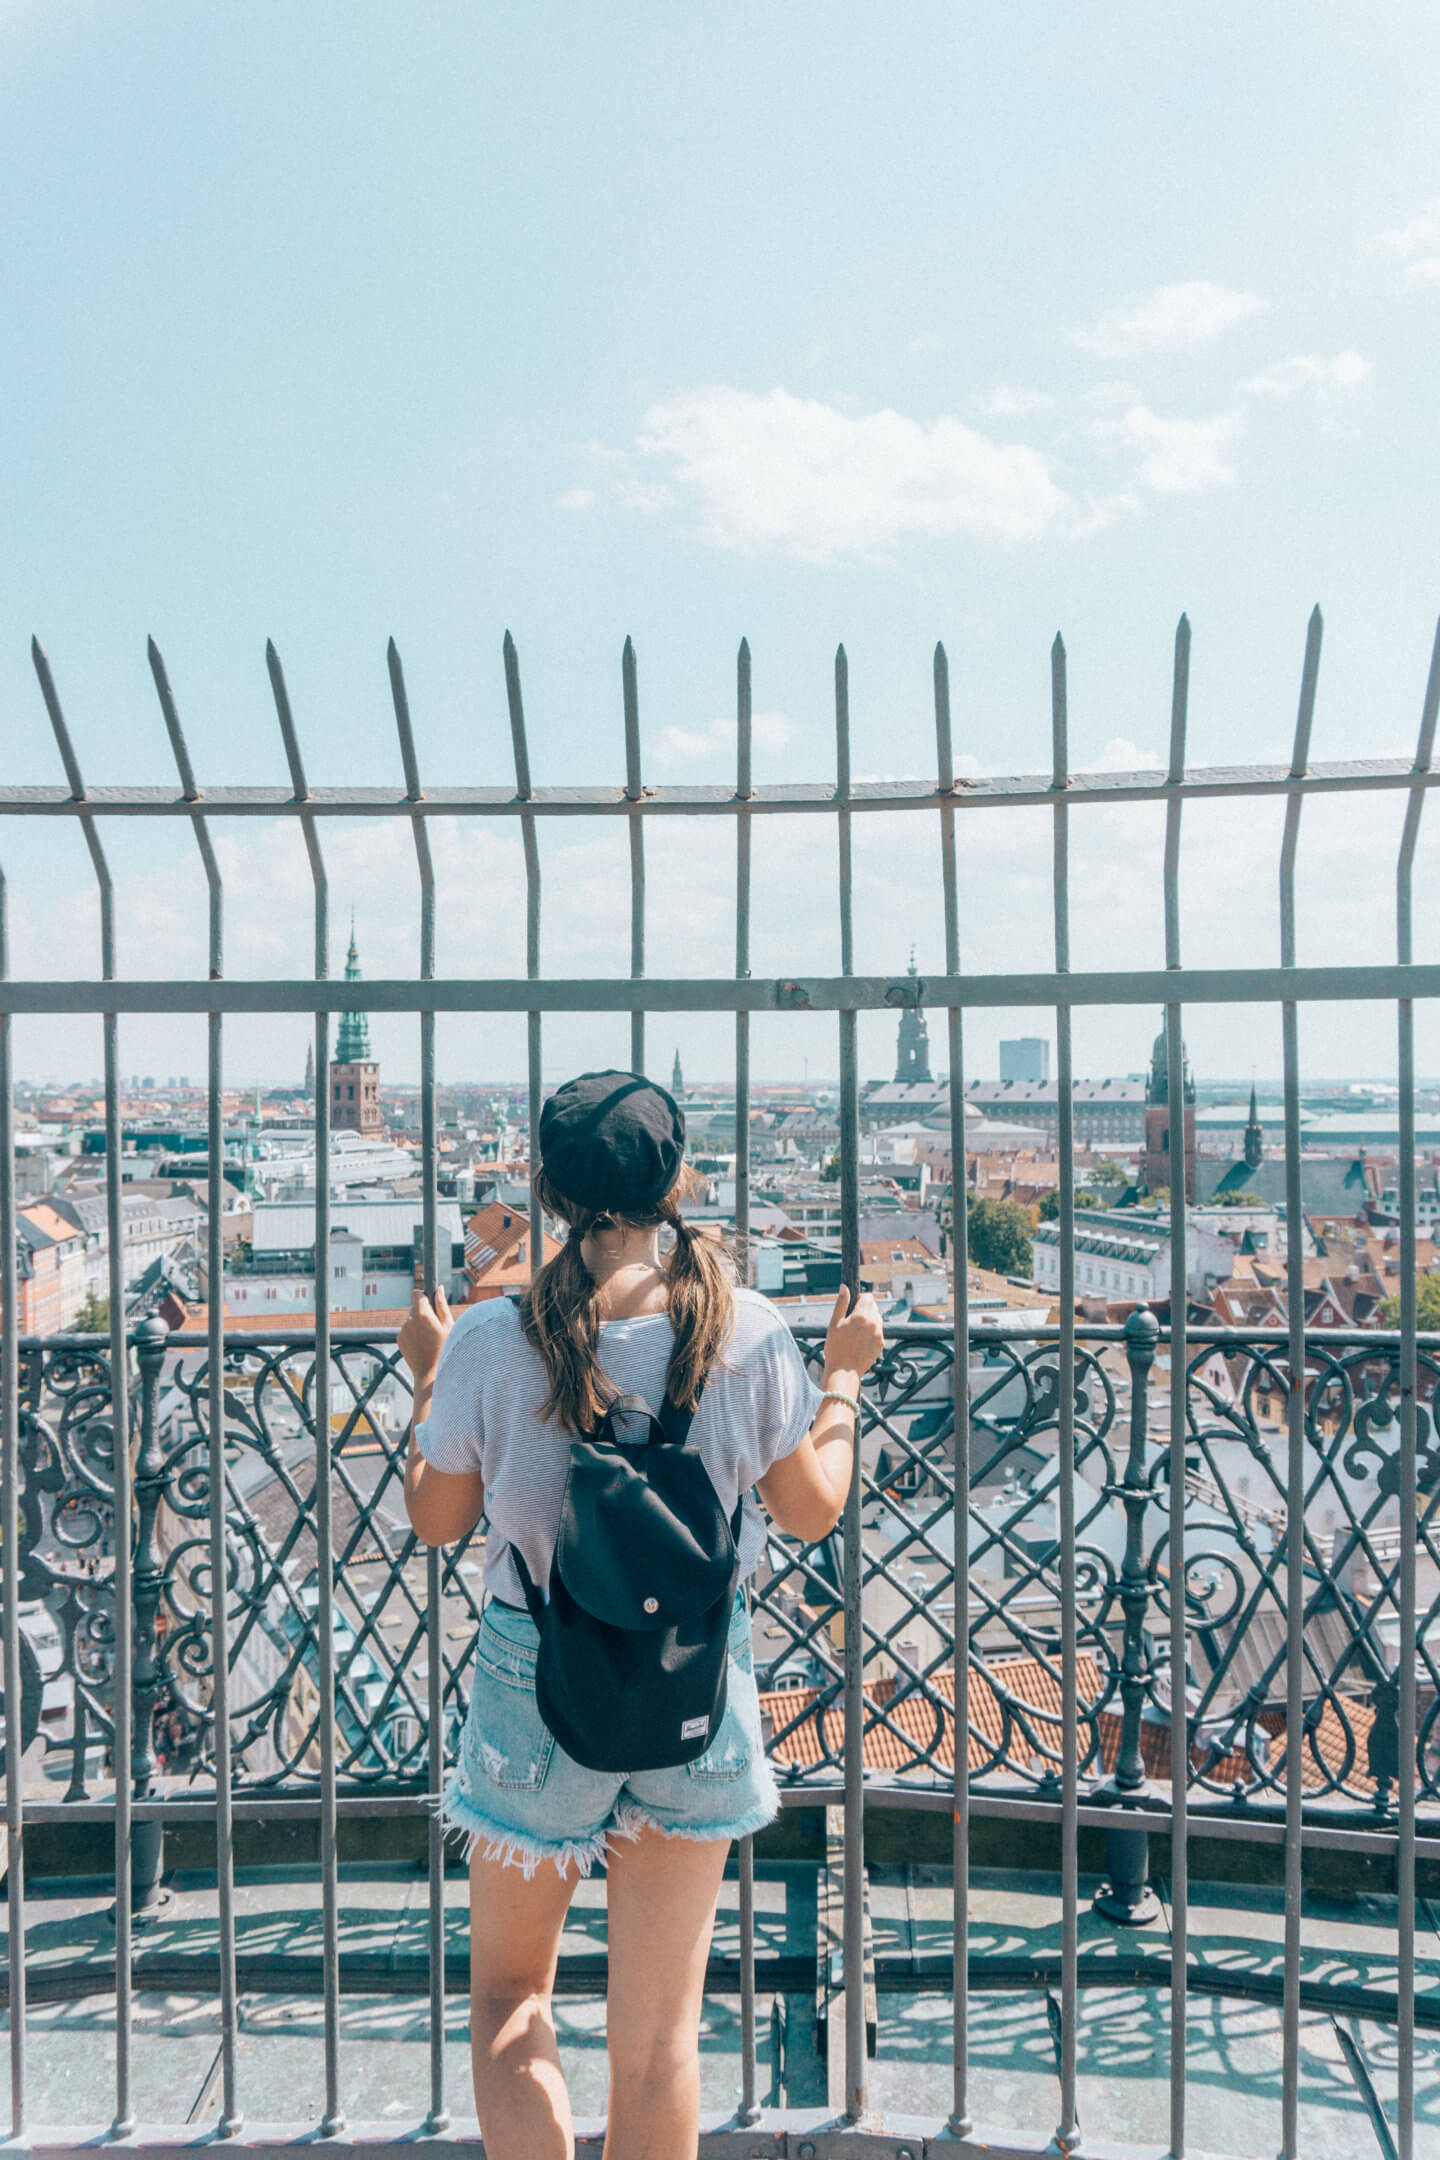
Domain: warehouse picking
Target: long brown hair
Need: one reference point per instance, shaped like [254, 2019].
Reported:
[560, 1312]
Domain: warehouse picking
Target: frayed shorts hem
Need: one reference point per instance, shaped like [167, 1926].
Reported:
[513, 1848]
[631, 1818]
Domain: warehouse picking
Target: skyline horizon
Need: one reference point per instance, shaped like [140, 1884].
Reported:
[1264, 1084]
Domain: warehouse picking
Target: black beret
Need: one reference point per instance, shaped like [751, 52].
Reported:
[612, 1142]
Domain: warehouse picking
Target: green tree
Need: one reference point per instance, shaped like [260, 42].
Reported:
[1427, 1304]
[831, 1171]
[1107, 1173]
[1049, 1208]
[1000, 1236]
[93, 1317]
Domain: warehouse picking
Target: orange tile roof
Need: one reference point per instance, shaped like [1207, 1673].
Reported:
[53, 1225]
[916, 1726]
[917, 1732]
[908, 1248]
[195, 1319]
[493, 1238]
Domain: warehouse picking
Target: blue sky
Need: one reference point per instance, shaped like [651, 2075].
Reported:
[811, 323]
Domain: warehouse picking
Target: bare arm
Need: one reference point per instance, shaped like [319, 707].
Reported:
[441, 1505]
[805, 1492]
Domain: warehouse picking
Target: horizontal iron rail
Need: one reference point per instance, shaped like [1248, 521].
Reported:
[1154, 1815]
[1017, 791]
[982, 1334]
[582, 1973]
[809, 993]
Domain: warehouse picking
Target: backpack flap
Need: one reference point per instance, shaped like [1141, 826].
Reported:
[644, 1543]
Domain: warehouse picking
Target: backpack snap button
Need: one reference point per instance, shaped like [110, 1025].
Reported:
[652, 1604]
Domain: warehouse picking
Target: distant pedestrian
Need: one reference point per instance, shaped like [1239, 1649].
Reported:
[500, 1394]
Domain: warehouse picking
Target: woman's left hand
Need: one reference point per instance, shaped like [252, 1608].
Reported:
[422, 1335]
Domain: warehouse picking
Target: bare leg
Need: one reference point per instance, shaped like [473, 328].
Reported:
[661, 1896]
[515, 1928]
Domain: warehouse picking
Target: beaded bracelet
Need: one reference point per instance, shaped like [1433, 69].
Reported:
[834, 1395]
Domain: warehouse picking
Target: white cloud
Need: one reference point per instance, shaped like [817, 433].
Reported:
[1325, 375]
[1121, 755]
[1097, 513]
[617, 472]
[927, 342]
[1007, 401]
[577, 498]
[1415, 245]
[677, 746]
[1171, 317]
[1173, 456]
[774, 473]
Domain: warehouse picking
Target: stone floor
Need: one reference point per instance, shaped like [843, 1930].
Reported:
[1233, 2047]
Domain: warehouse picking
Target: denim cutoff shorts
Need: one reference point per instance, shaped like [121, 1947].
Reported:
[520, 1799]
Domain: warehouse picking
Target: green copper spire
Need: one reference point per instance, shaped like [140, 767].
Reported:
[1254, 1135]
[352, 1045]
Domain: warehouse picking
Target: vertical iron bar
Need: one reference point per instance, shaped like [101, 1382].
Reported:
[1179, 1365]
[334, 2118]
[524, 791]
[1295, 1408]
[743, 789]
[633, 793]
[1409, 1380]
[961, 2122]
[856, 2080]
[10, 1548]
[1067, 2136]
[438, 2119]
[123, 1726]
[230, 2117]
[124, 1670]
[1179, 1358]
[749, 2105]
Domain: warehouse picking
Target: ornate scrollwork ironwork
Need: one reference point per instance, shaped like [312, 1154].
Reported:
[1237, 1527]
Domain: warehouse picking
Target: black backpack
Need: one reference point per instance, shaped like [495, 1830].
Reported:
[634, 1634]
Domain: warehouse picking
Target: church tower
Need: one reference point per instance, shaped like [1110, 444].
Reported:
[1156, 1170]
[354, 1074]
[912, 1055]
[677, 1080]
[1254, 1136]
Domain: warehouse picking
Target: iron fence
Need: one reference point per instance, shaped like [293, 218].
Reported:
[227, 1629]
[1235, 1618]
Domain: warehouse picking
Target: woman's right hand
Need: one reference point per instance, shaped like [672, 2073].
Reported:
[855, 1337]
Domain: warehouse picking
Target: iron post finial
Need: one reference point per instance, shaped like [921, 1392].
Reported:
[1142, 1328]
